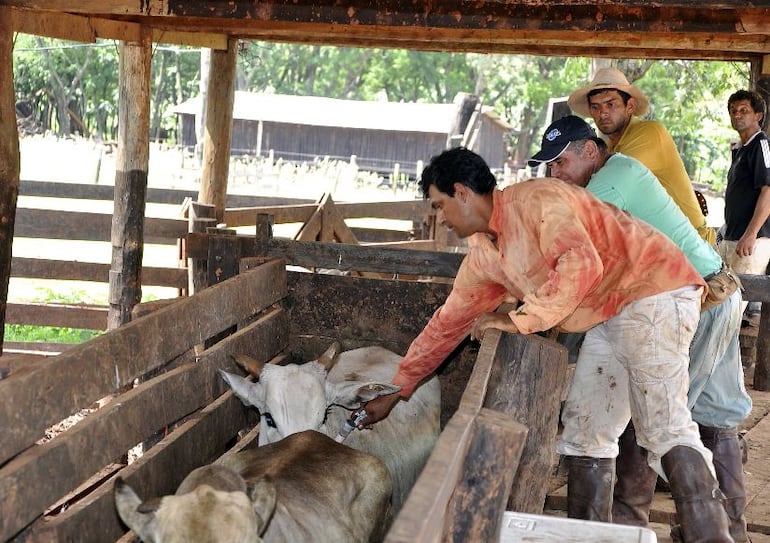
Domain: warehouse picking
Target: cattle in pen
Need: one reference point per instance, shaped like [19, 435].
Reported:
[306, 487]
[321, 394]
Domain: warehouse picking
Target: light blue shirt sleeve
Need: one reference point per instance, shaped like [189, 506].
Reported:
[628, 184]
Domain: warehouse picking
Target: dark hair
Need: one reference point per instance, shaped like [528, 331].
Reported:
[579, 145]
[623, 94]
[754, 98]
[458, 165]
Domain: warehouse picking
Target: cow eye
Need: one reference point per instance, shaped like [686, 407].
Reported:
[269, 420]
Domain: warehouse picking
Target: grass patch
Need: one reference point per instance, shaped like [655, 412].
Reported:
[27, 333]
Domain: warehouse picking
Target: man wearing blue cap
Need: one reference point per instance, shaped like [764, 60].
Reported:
[716, 395]
[572, 262]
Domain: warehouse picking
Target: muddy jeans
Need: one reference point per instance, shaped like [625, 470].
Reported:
[635, 366]
[717, 395]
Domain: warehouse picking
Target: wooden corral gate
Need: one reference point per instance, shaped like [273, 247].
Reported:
[154, 381]
[169, 232]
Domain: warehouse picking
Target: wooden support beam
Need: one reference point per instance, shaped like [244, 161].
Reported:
[9, 160]
[217, 134]
[54, 25]
[633, 29]
[130, 180]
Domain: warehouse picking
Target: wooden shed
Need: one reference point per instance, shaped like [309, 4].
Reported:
[379, 134]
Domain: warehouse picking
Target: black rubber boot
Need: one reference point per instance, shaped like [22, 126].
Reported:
[635, 483]
[724, 445]
[589, 488]
[699, 509]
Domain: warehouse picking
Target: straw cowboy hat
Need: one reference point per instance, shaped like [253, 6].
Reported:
[607, 78]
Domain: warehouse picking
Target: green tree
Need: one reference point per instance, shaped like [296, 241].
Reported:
[689, 97]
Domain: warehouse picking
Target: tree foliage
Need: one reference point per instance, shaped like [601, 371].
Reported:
[72, 88]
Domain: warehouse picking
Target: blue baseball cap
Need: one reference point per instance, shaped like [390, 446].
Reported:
[558, 136]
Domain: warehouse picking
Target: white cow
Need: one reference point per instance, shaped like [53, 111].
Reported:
[306, 487]
[319, 395]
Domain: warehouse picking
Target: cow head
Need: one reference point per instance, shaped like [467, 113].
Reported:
[204, 513]
[294, 398]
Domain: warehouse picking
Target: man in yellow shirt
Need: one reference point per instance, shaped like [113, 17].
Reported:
[616, 107]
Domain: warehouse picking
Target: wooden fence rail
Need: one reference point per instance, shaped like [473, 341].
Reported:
[87, 226]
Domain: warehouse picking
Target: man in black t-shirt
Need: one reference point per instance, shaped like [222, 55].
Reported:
[746, 244]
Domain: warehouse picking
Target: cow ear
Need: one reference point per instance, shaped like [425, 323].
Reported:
[251, 394]
[262, 494]
[131, 511]
[251, 365]
[351, 394]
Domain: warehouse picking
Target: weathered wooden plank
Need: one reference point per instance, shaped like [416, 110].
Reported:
[227, 9]
[645, 29]
[36, 347]
[365, 258]
[762, 360]
[62, 26]
[87, 317]
[361, 311]
[368, 236]
[526, 383]
[475, 393]
[421, 520]
[403, 210]
[311, 254]
[158, 472]
[247, 216]
[38, 477]
[756, 288]
[9, 160]
[40, 268]
[480, 497]
[87, 191]
[55, 224]
[458, 497]
[99, 367]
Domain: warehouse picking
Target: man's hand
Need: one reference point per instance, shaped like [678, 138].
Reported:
[501, 321]
[378, 409]
[745, 245]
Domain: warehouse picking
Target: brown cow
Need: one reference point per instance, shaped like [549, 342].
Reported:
[305, 487]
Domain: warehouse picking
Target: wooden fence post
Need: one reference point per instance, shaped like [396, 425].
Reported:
[762, 349]
[130, 180]
[219, 125]
[201, 217]
[9, 159]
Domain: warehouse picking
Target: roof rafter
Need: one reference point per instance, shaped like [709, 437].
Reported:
[705, 29]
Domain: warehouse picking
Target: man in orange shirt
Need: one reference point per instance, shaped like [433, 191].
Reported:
[579, 265]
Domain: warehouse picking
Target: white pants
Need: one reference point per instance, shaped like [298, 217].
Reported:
[635, 366]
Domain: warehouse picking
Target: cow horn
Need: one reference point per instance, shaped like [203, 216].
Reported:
[251, 365]
[330, 356]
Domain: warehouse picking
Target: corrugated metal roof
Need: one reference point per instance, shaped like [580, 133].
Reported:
[319, 111]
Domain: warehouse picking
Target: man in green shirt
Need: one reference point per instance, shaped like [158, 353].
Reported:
[717, 396]
[616, 107]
